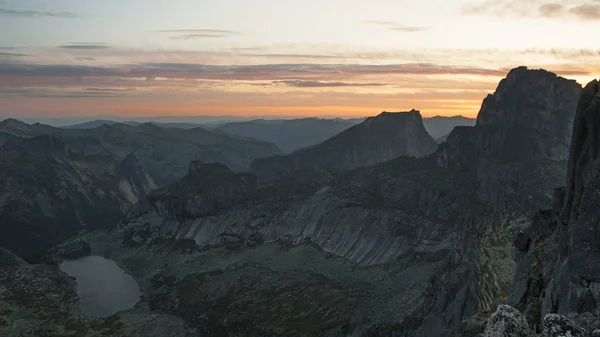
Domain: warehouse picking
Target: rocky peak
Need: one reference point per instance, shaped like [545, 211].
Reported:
[381, 138]
[533, 98]
[14, 126]
[529, 115]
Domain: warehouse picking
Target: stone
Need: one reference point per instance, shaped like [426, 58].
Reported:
[507, 321]
[560, 326]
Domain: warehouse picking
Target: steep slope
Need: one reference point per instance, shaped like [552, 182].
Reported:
[559, 271]
[289, 135]
[48, 194]
[164, 152]
[440, 126]
[377, 139]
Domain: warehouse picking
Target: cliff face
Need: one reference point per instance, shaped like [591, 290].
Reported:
[559, 272]
[438, 229]
[535, 99]
[48, 194]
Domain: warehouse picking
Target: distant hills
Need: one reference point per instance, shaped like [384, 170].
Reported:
[165, 153]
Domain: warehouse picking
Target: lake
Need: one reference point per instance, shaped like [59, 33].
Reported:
[103, 288]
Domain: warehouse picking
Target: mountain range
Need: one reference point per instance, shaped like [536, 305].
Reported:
[375, 231]
[164, 152]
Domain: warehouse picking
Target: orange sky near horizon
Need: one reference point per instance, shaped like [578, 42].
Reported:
[69, 58]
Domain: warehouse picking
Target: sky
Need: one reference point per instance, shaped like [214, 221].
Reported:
[64, 58]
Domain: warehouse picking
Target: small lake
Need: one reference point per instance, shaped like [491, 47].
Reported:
[103, 288]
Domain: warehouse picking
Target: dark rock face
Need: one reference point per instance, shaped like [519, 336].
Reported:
[577, 280]
[207, 188]
[537, 99]
[377, 139]
[48, 194]
[559, 272]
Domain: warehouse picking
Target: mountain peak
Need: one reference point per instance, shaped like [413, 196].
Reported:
[384, 137]
[531, 97]
[11, 124]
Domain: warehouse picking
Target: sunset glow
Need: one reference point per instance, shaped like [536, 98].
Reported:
[267, 57]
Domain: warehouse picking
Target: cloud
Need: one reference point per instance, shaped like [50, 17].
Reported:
[579, 9]
[197, 36]
[84, 46]
[589, 11]
[36, 14]
[308, 56]
[318, 84]
[396, 26]
[199, 31]
[12, 54]
[189, 34]
[110, 89]
[317, 73]
[551, 9]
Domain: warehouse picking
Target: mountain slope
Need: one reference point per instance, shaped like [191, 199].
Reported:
[48, 194]
[377, 139]
[164, 152]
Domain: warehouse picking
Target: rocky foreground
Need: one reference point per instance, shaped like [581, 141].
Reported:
[432, 246]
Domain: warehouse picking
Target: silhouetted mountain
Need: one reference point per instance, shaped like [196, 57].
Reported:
[98, 123]
[558, 270]
[48, 194]
[289, 135]
[440, 126]
[377, 139]
[164, 152]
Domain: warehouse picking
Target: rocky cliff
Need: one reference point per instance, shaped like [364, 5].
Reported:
[377, 139]
[48, 194]
[558, 272]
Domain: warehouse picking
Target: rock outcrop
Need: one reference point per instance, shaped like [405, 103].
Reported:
[559, 272]
[48, 194]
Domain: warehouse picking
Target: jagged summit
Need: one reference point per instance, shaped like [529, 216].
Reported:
[377, 139]
[532, 98]
[529, 115]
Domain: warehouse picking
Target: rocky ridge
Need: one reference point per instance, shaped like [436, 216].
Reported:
[48, 194]
[165, 153]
